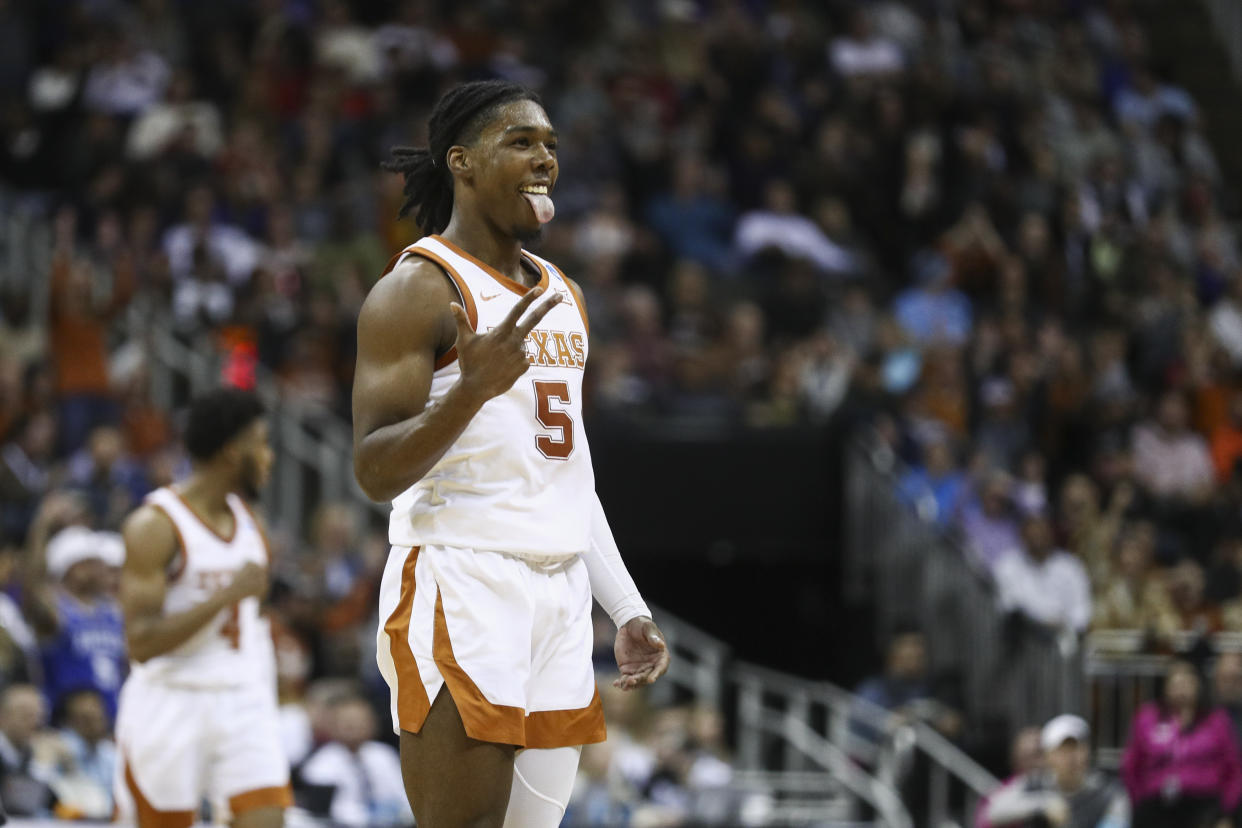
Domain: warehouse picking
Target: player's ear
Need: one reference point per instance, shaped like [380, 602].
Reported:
[458, 160]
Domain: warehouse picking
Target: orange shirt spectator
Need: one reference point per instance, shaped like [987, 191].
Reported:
[1227, 441]
[80, 324]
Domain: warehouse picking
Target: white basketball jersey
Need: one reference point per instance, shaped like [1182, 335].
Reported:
[519, 478]
[234, 648]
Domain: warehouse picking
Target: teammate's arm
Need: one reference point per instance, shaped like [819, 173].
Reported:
[150, 544]
[409, 315]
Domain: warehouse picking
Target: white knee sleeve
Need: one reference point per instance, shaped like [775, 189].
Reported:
[543, 779]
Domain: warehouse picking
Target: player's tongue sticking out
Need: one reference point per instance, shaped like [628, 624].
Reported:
[542, 205]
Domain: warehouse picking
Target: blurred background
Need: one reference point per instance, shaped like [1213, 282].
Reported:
[914, 392]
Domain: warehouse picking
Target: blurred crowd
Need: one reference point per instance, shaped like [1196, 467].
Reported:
[1180, 768]
[991, 228]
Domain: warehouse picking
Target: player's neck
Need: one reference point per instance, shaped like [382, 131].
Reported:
[501, 252]
[208, 489]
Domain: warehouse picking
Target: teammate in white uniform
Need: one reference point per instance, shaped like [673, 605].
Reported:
[197, 715]
[468, 417]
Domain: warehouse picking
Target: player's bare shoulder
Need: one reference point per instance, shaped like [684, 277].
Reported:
[408, 306]
[150, 538]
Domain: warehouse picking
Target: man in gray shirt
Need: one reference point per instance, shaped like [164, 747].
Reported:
[1067, 793]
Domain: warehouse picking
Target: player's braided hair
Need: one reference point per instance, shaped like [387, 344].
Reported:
[458, 118]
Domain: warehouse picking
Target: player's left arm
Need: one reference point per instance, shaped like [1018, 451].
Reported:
[642, 654]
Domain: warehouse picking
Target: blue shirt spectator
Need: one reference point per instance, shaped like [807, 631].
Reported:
[934, 312]
[938, 490]
[694, 224]
[80, 623]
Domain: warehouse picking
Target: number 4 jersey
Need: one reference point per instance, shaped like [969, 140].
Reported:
[234, 648]
[518, 480]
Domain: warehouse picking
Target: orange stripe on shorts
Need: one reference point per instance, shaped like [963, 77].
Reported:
[148, 816]
[483, 720]
[412, 702]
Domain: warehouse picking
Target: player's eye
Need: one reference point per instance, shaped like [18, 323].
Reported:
[522, 142]
[551, 146]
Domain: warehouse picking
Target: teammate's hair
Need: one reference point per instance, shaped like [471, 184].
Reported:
[216, 418]
[458, 118]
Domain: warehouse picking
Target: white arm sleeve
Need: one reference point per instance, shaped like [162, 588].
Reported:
[611, 583]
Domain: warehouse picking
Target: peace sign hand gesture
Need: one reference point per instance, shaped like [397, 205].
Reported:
[493, 361]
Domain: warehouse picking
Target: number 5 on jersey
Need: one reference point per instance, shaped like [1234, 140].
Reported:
[560, 445]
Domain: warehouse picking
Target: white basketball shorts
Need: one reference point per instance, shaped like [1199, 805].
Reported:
[511, 639]
[177, 745]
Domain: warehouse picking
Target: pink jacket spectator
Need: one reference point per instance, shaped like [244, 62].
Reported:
[1202, 761]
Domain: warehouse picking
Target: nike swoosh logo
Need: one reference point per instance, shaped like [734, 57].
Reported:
[487, 298]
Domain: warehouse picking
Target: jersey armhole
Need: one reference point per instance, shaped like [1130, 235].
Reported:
[576, 290]
[459, 285]
[176, 564]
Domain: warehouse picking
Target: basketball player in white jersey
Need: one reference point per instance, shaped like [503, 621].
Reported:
[468, 417]
[197, 715]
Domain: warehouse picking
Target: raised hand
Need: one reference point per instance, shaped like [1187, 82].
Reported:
[642, 654]
[493, 361]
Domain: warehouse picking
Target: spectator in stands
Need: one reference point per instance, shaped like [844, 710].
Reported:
[1046, 584]
[79, 623]
[1067, 792]
[779, 225]
[863, 52]
[78, 339]
[83, 778]
[1170, 460]
[1025, 757]
[1195, 613]
[110, 482]
[1091, 532]
[203, 245]
[1181, 765]
[988, 523]
[939, 488]
[905, 689]
[1133, 595]
[127, 79]
[1227, 442]
[25, 472]
[363, 775]
[935, 311]
[24, 774]
[694, 222]
[1227, 688]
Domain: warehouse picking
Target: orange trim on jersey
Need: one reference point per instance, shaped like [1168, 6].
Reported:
[148, 816]
[504, 280]
[483, 720]
[448, 357]
[280, 796]
[472, 312]
[567, 728]
[578, 297]
[179, 562]
[412, 702]
[203, 521]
